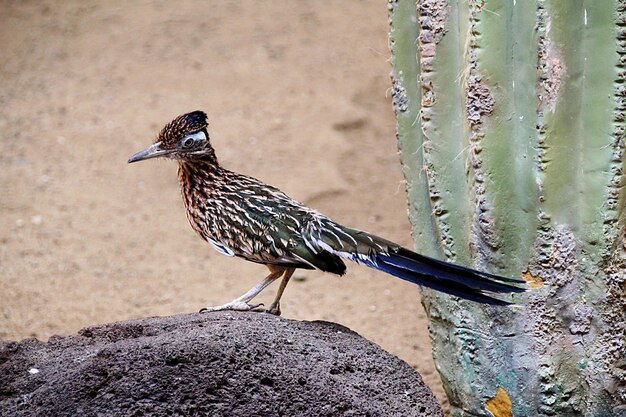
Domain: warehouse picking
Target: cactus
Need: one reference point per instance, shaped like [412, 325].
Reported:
[510, 123]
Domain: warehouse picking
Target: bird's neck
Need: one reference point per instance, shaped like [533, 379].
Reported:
[205, 169]
[198, 180]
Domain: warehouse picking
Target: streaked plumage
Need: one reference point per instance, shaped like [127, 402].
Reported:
[241, 216]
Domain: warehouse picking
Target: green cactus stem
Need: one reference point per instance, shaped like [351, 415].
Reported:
[510, 123]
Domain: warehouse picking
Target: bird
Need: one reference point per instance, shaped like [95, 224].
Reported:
[241, 216]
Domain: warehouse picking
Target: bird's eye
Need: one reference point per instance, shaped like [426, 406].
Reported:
[187, 143]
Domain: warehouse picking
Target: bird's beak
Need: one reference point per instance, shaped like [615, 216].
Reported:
[152, 151]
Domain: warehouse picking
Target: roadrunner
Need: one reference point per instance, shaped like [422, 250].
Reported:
[241, 216]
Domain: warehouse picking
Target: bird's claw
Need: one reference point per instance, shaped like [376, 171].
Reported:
[234, 306]
[242, 306]
[274, 309]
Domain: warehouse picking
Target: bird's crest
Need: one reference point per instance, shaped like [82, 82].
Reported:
[181, 126]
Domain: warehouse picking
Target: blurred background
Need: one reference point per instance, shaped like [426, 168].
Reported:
[296, 94]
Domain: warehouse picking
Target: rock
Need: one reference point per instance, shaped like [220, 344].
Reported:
[217, 364]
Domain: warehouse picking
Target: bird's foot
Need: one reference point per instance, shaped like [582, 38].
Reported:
[274, 309]
[234, 305]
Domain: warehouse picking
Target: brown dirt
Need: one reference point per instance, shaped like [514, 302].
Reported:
[296, 96]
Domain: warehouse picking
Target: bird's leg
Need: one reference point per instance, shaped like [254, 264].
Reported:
[275, 307]
[241, 303]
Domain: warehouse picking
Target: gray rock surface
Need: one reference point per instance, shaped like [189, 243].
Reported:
[217, 364]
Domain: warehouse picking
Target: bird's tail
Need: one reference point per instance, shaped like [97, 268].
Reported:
[446, 277]
[442, 276]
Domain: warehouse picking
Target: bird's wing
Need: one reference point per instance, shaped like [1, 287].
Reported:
[322, 234]
[282, 233]
[266, 225]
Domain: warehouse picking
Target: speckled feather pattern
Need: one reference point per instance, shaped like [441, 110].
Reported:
[260, 223]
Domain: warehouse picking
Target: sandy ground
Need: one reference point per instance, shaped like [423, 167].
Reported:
[296, 96]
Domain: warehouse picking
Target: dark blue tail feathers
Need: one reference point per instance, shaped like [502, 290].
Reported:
[446, 277]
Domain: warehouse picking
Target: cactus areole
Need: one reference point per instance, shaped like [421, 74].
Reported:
[510, 123]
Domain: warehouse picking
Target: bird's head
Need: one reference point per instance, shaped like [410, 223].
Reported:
[185, 138]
